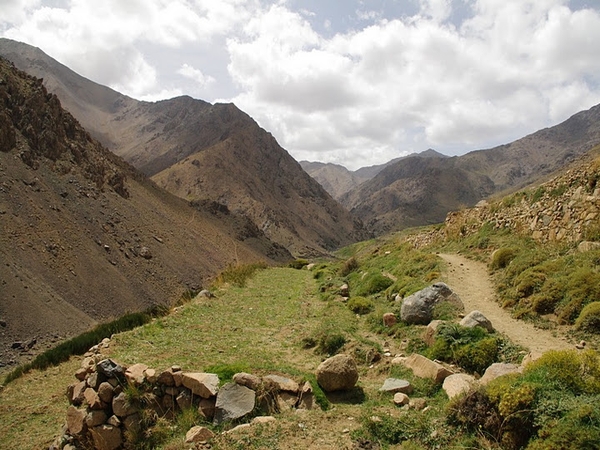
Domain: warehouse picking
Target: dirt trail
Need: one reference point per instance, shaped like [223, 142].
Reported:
[470, 280]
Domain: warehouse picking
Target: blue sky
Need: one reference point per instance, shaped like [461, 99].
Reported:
[351, 82]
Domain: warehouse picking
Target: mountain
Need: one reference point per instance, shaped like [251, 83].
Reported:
[419, 191]
[85, 237]
[203, 152]
[337, 180]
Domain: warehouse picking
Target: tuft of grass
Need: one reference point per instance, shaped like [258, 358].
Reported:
[237, 275]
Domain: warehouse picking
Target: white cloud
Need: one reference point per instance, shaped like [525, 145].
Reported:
[195, 74]
[454, 76]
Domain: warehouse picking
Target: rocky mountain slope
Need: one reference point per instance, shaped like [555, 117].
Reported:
[419, 191]
[203, 152]
[337, 180]
[85, 237]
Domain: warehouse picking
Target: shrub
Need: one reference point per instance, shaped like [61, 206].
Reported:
[360, 305]
[589, 319]
[349, 266]
[298, 264]
[372, 283]
[238, 275]
[529, 282]
[502, 257]
[477, 356]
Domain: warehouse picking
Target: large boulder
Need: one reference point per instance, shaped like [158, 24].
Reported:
[233, 401]
[338, 373]
[418, 308]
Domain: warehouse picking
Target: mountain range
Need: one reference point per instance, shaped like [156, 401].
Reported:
[203, 152]
[113, 204]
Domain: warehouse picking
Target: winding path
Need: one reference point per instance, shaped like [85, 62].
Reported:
[471, 281]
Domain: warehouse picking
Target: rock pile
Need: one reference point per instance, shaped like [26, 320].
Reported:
[109, 401]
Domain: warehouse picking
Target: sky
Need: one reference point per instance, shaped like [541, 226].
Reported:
[351, 82]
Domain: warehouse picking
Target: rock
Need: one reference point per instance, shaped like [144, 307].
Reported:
[184, 399]
[389, 320]
[286, 400]
[77, 397]
[263, 420]
[135, 374]
[198, 434]
[307, 398]
[530, 357]
[401, 399]
[203, 384]
[477, 319]
[233, 401]
[457, 384]
[206, 408]
[76, 420]
[237, 429]
[283, 383]
[133, 423]
[429, 334]
[395, 385]
[92, 399]
[418, 307]
[110, 369]
[344, 290]
[417, 403]
[145, 253]
[94, 379]
[423, 367]
[114, 421]
[81, 373]
[338, 373]
[165, 378]
[150, 375]
[122, 407]
[497, 370]
[246, 379]
[95, 418]
[106, 437]
[106, 392]
[205, 293]
[588, 246]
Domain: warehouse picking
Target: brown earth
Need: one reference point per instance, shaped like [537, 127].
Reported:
[471, 281]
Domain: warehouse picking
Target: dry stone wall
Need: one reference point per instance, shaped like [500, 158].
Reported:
[564, 209]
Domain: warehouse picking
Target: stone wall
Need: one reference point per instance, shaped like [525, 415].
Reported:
[564, 209]
[110, 403]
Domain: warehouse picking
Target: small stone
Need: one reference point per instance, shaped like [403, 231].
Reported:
[203, 384]
[76, 420]
[394, 385]
[337, 373]
[165, 378]
[106, 392]
[198, 434]
[246, 379]
[283, 383]
[389, 320]
[135, 374]
[106, 437]
[150, 375]
[81, 373]
[95, 418]
[237, 429]
[457, 384]
[92, 399]
[263, 420]
[401, 399]
[122, 407]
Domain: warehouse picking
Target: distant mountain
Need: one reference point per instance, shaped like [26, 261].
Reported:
[337, 180]
[419, 191]
[85, 237]
[203, 152]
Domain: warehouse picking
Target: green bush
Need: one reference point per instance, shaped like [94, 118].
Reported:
[238, 275]
[349, 266]
[502, 257]
[589, 318]
[298, 264]
[372, 283]
[477, 356]
[360, 305]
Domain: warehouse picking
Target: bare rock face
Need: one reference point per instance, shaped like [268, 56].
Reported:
[477, 319]
[418, 308]
[338, 373]
[233, 401]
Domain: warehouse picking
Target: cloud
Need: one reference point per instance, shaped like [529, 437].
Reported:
[357, 84]
[195, 74]
[406, 84]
